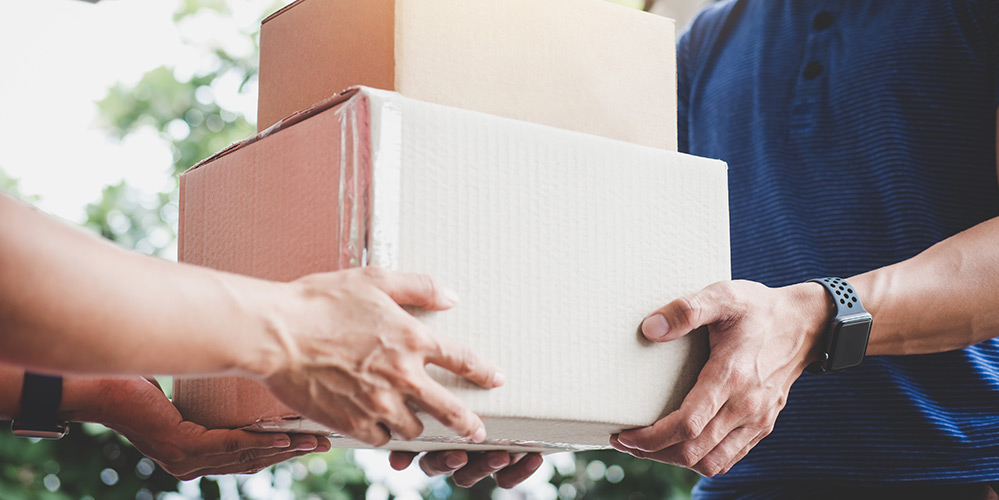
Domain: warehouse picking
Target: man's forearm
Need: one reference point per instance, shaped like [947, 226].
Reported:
[945, 298]
[72, 302]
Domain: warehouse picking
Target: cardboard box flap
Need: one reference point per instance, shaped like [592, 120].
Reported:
[296, 117]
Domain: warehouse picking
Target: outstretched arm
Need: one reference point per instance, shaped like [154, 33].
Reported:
[71, 302]
[762, 338]
[336, 347]
[138, 410]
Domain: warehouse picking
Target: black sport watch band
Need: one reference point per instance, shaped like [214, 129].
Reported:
[847, 334]
[40, 399]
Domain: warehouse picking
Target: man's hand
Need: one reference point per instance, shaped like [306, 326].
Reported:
[138, 410]
[356, 361]
[761, 340]
[470, 468]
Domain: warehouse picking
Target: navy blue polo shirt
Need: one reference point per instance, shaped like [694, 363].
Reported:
[858, 134]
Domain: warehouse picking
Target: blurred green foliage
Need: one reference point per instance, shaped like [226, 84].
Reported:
[95, 463]
[12, 187]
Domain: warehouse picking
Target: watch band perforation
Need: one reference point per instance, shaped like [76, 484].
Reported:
[847, 333]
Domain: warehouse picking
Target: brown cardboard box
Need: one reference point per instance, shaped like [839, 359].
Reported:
[559, 243]
[584, 65]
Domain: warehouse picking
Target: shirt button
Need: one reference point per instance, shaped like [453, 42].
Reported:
[822, 20]
[812, 70]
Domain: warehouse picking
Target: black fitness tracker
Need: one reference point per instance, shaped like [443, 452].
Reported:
[40, 399]
[847, 333]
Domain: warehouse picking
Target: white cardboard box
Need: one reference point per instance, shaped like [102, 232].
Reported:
[559, 243]
[585, 65]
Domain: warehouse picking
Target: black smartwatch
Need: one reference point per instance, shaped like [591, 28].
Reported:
[40, 399]
[846, 337]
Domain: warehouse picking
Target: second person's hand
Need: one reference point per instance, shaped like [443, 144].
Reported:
[467, 468]
[137, 409]
[355, 360]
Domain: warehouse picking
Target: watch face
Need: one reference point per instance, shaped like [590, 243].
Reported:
[850, 342]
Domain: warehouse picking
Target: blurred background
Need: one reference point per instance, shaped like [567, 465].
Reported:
[102, 107]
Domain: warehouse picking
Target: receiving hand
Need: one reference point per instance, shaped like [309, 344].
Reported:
[357, 360]
[761, 339]
[138, 410]
[470, 468]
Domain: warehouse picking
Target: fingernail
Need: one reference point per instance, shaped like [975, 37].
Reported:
[479, 436]
[282, 442]
[453, 461]
[655, 327]
[499, 379]
[306, 446]
[451, 295]
[324, 446]
[495, 462]
[625, 441]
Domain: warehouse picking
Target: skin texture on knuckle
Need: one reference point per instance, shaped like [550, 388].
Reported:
[380, 438]
[708, 470]
[414, 385]
[246, 457]
[381, 405]
[466, 361]
[467, 478]
[434, 464]
[428, 287]
[690, 427]
[455, 418]
[690, 455]
[418, 339]
[413, 431]
[688, 311]
[230, 444]
[752, 407]
[736, 295]
[373, 273]
[739, 375]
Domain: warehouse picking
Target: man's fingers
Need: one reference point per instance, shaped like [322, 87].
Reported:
[372, 433]
[684, 315]
[406, 425]
[247, 468]
[391, 409]
[479, 467]
[459, 359]
[437, 463]
[345, 416]
[412, 289]
[249, 461]
[518, 472]
[225, 441]
[744, 451]
[690, 453]
[399, 460]
[719, 458]
[698, 409]
[444, 406]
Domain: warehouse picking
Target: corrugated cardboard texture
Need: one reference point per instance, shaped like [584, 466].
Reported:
[584, 65]
[559, 243]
